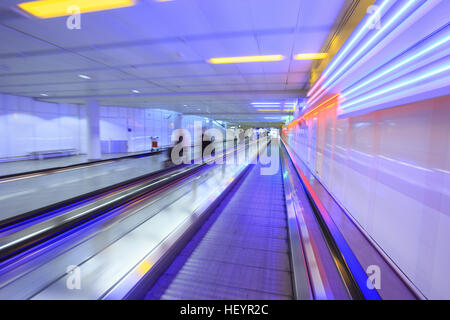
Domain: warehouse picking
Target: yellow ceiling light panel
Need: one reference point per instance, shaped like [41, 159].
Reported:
[58, 8]
[311, 56]
[265, 58]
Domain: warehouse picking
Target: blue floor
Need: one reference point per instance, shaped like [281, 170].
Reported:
[241, 252]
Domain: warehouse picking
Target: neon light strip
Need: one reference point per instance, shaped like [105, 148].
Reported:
[265, 58]
[311, 56]
[318, 83]
[357, 37]
[353, 57]
[398, 28]
[433, 85]
[386, 25]
[323, 106]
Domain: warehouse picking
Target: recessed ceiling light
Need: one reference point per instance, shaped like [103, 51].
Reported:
[83, 76]
[266, 58]
[135, 91]
[51, 8]
[311, 56]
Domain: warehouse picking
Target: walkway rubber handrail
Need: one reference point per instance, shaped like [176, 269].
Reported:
[40, 172]
[9, 222]
[24, 239]
[42, 211]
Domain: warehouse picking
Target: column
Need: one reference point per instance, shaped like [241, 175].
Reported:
[178, 121]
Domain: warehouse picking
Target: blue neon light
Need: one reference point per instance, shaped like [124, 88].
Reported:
[404, 62]
[441, 83]
[386, 25]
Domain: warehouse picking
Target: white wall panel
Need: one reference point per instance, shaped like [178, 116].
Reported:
[28, 125]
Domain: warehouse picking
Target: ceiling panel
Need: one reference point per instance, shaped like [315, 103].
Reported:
[162, 48]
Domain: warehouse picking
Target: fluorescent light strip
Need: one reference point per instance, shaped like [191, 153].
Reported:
[444, 68]
[58, 8]
[408, 21]
[349, 46]
[314, 87]
[440, 42]
[273, 104]
[265, 58]
[275, 110]
[329, 102]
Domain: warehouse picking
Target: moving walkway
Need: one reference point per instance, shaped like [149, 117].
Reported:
[205, 231]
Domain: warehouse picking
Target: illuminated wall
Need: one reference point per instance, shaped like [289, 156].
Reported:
[27, 125]
[376, 135]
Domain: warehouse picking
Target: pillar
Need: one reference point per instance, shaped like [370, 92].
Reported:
[93, 130]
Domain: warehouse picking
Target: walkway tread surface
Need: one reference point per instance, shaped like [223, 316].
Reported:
[241, 252]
